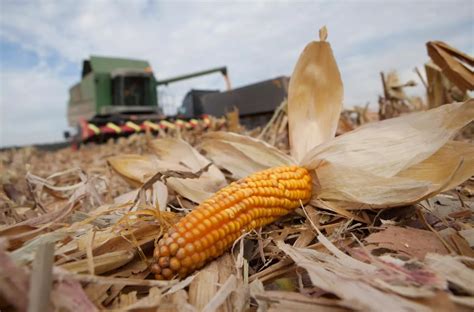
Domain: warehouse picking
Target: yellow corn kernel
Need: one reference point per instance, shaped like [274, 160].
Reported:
[216, 223]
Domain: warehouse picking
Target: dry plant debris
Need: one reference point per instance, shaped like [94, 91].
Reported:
[389, 225]
[395, 102]
[454, 64]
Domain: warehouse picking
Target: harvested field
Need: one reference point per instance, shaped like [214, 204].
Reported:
[387, 224]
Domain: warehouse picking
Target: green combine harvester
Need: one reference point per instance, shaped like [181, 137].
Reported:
[118, 97]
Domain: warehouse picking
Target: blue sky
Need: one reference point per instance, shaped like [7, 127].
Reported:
[42, 45]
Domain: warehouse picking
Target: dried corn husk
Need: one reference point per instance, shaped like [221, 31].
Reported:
[242, 155]
[138, 169]
[314, 98]
[389, 163]
[177, 151]
[451, 165]
[387, 147]
[340, 183]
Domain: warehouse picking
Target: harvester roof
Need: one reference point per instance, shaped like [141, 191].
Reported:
[101, 64]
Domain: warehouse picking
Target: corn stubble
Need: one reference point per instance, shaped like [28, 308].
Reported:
[209, 230]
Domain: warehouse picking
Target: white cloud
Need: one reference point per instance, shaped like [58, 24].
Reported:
[255, 40]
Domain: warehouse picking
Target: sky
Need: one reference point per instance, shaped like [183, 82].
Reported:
[43, 43]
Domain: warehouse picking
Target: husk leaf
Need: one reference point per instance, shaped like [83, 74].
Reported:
[177, 151]
[395, 162]
[137, 169]
[387, 147]
[314, 98]
[448, 167]
[342, 183]
[242, 155]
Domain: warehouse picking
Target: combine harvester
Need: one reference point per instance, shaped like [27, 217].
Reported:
[118, 97]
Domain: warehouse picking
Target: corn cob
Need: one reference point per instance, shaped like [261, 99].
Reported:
[216, 223]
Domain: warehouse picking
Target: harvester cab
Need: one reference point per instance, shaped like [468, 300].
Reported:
[132, 90]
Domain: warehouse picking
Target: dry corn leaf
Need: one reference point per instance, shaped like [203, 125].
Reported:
[449, 59]
[18, 234]
[160, 195]
[157, 196]
[125, 300]
[152, 300]
[27, 252]
[105, 293]
[180, 152]
[468, 235]
[242, 155]
[462, 246]
[354, 293]
[204, 291]
[191, 190]
[334, 208]
[345, 260]
[177, 301]
[144, 234]
[256, 289]
[82, 242]
[204, 286]
[413, 242]
[453, 270]
[221, 295]
[454, 52]
[180, 285]
[138, 169]
[231, 159]
[192, 185]
[134, 168]
[103, 263]
[315, 97]
[387, 273]
[24, 231]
